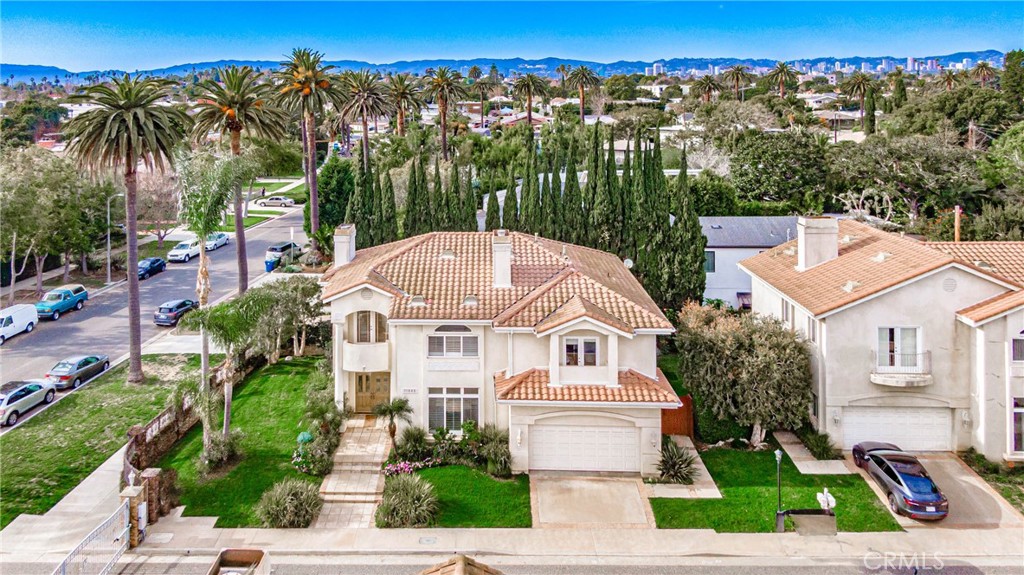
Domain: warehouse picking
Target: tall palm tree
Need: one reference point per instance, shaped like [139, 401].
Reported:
[306, 88]
[563, 70]
[706, 86]
[780, 75]
[129, 126]
[333, 123]
[895, 77]
[983, 71]
[737, 76]
[241, 101]
[951, 78]
[483, 88]
[405, 97]
[581, 78]
[474, 72]
[366, 97]
[527, 87]
[445, 85]
[857, 86]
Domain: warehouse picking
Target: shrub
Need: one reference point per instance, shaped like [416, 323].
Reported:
[494, 451]
[289, 503]
[407, 467]
[446, 449]
[322, 413]
[316, 458]
[677, 465]
[711, 429]
[818, 443]
[413, 445]
[408, 501]
[221, 451]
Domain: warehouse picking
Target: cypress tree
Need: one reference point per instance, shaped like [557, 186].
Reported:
[438, 205]
[530, 217]
[614, 194]
[417, 216]
[899, 94]
[361, 207]
[510, 211]
[453, 201]
[552, 193]
[388, 220]
[683, 267]
[469, 205]
[602, 214]
[571, 225]
[869, 111]
[626, 198]
[593, 168]
[492, 220]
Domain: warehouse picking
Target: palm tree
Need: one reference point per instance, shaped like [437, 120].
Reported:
[737, 76]
[445, 85]
[526, 87]
[365, 97]
[780, 75]
[128, 126]
[857, 86]
[483, 88]
[397, 409]
[332, 124]
[581, 78]
[475, 72]
[951, 78]
[706, 86]
[307, 87]
[404, 96]
[983, 71]
[241, 101]
[895, 76]
[563, 70]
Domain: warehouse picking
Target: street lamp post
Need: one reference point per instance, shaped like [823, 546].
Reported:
[108, 234]
[780, 519]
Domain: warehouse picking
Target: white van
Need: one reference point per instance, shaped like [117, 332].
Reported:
[16, 319]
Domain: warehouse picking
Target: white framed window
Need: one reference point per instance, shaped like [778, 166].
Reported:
[812, 330]
[452, 341]
[371, 327]
[1017, 425]
[898, 347]
[709, 262]
[1017, 347]
[579, 351]
[450, 407]
[787, 313]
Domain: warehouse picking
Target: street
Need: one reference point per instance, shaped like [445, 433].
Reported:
[101, 326]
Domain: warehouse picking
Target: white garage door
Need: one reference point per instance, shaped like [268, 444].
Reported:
[911, 428]
[584, 448]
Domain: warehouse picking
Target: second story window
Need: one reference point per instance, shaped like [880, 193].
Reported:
[898, 347]
[371, 327]
[709, 262]
[1017, 347]
[453, 341]
[579, 351]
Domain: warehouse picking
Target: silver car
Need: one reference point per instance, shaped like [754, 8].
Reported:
[17, 397]
[75, 370]
[276, 201]
[216, 240]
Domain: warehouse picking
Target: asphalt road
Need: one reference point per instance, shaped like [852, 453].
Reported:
[101, 326]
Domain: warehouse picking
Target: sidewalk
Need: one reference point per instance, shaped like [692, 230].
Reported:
[806, 462]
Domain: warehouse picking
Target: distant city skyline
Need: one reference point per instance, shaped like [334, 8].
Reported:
[134, 35]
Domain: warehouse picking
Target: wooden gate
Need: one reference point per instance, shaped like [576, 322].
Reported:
[678, 421]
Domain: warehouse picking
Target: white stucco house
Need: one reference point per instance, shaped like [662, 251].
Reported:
[918, 344]
[732, 239]
[555, 342]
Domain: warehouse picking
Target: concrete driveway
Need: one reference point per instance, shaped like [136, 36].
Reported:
[572, 501]
[973, 504]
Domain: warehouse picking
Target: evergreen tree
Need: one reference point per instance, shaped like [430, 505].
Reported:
[388, 231]
[572, 223]
[683, 277]
[593, 167]
[417, 206]
[492, 220]
[438, 205]
[530, 217]
[469, 205]
[1012, 80]
[899, 94]
[550, 200]
[360, 208]
[510, 211]
[628, 246]
[869, 111]
[453, 200]
[603, 213]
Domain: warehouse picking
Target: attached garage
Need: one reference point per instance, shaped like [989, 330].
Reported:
[590, 448]
[911, 428]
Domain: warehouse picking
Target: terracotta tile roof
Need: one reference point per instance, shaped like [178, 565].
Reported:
[634, 387]
[461, 565]
[993, 306]
[869, 261]
[1005, 259]
[431, 276]
[578, 307]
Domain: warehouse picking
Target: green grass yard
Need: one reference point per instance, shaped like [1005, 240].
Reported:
[249, 222]
[749, 497]
[47, 456]
[471, 498]
[268, 410]
[271, 187]
[669, 364]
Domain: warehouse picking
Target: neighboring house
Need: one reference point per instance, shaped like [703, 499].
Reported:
[918, 344]
[731, 240]
[552, 341]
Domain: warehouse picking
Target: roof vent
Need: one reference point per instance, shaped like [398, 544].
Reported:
[984, 265]
[448, 254]
[716, 226]
[949, 285]
[471, 300]
[418, 301]
[881, 257]
[846, 239]
[790, 251]
[851, 285]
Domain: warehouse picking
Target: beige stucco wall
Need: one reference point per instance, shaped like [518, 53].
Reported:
[995, 381]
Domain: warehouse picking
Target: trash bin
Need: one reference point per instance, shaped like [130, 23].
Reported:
[269, 265]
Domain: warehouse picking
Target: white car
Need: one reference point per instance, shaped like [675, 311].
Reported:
[17, 319]
[216, 240]
[184, 251]
[278, 201]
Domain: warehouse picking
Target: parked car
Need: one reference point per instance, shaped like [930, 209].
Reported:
[16, 319]
[184, 251]
[170, 312]
[75, 370]
[17, 397]
[279, 201]
[62, 299]
[907, 485]
[216, 240]
[151, 266]
[282, 249]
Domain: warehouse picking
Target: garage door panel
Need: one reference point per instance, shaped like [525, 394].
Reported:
[911, 428]
[590, 448]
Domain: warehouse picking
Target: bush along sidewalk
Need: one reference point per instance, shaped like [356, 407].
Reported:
[314, 454]
[818, 443]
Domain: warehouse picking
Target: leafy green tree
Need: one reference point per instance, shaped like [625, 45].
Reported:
[530, 215]
[987, 109]
[899, 93]
[571, 226]
[129, 125]
[1003, 165]
[787, 166]
[582, 78]
[438, 205]
[713, 195]
[363, 207]
[337, 186]
[550, 204]
[22, 122]
[619, 87]
[417, 204]
[999, 223]
[453, 200]
[1012, 82]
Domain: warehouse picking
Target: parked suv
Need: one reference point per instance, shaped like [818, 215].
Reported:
[16, 319]
[17, 397]
[282, 249]
[61, 300]
[169, 313]
[184, 251]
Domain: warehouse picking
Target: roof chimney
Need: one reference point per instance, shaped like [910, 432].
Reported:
[501, 252]
[817, 241]
[344, 244]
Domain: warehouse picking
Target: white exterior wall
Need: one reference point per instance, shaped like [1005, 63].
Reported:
[728, 278]
[995, 381]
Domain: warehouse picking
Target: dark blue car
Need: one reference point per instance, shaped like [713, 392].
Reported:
[151, 266]
[908, 488]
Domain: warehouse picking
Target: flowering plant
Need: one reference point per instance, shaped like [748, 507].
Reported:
[407, 467]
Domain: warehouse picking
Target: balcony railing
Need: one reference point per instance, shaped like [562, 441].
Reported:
[901, 369]
[365, 357]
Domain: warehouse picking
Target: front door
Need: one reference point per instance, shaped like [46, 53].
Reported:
[371, 389]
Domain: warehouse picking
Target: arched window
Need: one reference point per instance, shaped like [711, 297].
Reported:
[371, 327]
[453, 341]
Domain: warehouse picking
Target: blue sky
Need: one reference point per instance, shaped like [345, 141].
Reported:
[141, 35]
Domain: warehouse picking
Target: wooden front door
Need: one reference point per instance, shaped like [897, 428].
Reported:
[371, 389]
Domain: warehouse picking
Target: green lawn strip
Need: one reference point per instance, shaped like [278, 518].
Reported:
[669, 364]
[47, 456]
[265, 213]
[271, 187]
[300, 194]
[749, 497]
[268, 410]
[249, 222]
[471, 498]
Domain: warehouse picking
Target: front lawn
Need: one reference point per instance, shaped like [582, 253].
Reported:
[268, 409]
[1009, 482]
[669, 364]
[270, 187]
[471, 498]
[47, 456]
[749, 497]
[248, 222]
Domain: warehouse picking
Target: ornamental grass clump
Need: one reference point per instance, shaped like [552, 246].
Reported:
[677, 464]
[289, 503]
[408, 501]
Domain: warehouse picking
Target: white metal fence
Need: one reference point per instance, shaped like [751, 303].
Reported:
[100, 549]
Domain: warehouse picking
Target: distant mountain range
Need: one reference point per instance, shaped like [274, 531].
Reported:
[543, 66]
